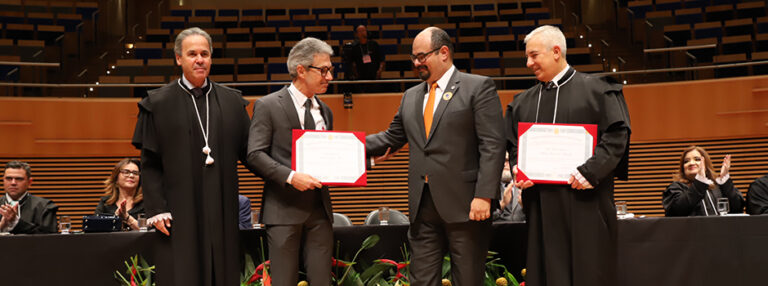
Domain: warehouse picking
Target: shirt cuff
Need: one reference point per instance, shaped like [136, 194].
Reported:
[723, 179]
[373, 162]
[703, 179]
[159, 217]
[290, 177]
[583, 181]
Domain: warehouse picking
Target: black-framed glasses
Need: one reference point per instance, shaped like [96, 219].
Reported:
[126, 172]
[323, 70]
[422, 57]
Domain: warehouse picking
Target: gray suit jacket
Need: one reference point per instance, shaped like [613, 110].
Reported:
[269, 152]
[464, 154]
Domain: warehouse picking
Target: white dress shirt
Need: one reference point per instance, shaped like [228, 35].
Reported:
[299, 99]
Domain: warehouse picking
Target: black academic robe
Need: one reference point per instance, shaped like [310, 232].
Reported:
[38, 215]
[757, 197]
[202, 199]
[681, 199]
[104, 209]
[572, 234]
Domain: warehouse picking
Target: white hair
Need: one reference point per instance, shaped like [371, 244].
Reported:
[303, 53]
[550, 35]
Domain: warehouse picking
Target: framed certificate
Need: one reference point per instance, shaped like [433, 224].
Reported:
[549, 153]
[336, 158]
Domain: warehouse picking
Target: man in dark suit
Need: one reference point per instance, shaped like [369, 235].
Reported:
[244, 219]
[36, 214]
[453, 125]
[296, 207]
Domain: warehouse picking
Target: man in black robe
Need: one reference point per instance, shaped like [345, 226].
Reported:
[20, 211]
[191, 133]
[757, 197]
[572, 235]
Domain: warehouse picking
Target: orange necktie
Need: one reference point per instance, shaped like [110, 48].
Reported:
[429, 109]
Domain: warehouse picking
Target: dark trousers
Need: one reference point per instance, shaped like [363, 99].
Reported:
[430, 237]
[315, 237]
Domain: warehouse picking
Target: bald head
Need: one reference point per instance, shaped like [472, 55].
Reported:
[432, 54]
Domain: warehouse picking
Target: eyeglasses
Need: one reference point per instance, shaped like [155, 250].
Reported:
[422, 57]
[126, 172]
[323, 70]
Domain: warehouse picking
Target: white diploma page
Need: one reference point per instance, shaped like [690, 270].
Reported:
[549, 153]
[334, 158]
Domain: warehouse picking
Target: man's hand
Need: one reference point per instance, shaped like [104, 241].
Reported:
[480, 209]
[507, 195]
[9, 214]
[162, 225]
[386, 156]
[578, 182]
[303, 182]
[522, 185]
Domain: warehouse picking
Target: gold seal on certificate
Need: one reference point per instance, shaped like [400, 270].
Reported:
[336, 158]
[549, 153]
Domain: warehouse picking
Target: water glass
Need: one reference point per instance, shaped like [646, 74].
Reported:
[621, 208]
[383, 215]
[722, 206]
[65, 224]
[142, 219]
[255, 219]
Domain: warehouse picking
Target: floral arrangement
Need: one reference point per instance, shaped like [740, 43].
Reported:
[382, 272]
[138, 271]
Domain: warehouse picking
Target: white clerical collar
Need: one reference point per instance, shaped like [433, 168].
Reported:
[13, 202]
[298, 96]
[560, 75]
[443, 81]
[189, 85]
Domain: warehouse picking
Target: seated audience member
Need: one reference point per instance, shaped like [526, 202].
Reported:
[122, 193]
[244, 219]
[511, 204]
[20, 211]
[697, 188]
[757, 197]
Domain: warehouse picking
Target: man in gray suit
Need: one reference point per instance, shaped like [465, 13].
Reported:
[296, 207]
[453, 125]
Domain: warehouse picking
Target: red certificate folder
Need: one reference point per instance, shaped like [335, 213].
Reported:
[524, 127]
[361, 181]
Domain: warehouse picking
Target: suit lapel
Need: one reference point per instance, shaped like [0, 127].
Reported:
[419, 109]
[448, 93]
[324, 109]
[290, 110]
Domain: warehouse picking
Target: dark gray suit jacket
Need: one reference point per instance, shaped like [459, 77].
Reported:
[464, 154]
[38, 215]
[269, 152]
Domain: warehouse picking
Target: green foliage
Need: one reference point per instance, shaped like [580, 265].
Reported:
[138, 271]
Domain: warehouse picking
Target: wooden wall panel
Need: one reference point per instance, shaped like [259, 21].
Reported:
[72, 144]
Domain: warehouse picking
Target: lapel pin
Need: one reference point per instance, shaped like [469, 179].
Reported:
[447, 95]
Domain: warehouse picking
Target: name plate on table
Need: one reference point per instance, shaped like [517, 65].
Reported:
[549, 153]
[336, 158]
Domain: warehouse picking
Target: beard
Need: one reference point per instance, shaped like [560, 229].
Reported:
[506, 176]
[424, 73]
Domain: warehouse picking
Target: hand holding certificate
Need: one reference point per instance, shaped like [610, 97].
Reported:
[548, 153]
[335, 158]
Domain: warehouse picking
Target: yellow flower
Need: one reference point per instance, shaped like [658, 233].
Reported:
[302, 283]
[501, 281]
[446, 282]
[523, 272]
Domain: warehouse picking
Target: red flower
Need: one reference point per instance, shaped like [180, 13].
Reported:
[338, 263]
[397, 265]
[133, 274]
[522, 283]
[256, 276]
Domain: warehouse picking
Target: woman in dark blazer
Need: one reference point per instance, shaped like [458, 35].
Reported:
[696, 187]
[122, 193]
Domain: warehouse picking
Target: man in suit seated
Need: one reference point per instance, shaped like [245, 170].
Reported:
[511, 203]
[244, 216]
[20, 211]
